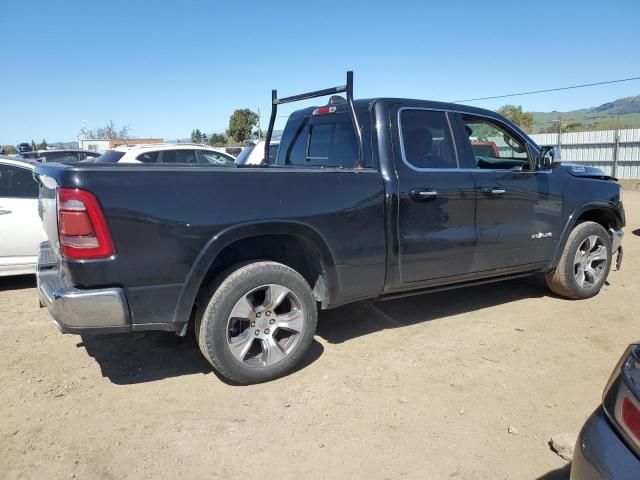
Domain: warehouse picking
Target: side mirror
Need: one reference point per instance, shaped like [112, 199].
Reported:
[548, 155]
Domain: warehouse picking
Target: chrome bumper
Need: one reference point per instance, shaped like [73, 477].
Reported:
[616, 238]
[77, 310]
[616, 244]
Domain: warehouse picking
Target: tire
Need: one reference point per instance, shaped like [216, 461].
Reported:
[577, 257]
[257, 322]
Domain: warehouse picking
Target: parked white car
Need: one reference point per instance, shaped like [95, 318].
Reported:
[166, 153]
[21, 230]
[253, 153]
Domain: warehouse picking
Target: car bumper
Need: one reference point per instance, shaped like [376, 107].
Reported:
[600, 454]
[75, 310]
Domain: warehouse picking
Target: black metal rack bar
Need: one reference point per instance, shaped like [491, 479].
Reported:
[348, 88]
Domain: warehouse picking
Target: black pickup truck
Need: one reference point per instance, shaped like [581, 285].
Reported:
[364, 199]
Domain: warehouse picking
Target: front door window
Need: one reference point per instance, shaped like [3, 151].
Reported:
[493, 147]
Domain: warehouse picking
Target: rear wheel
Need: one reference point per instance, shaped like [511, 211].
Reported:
[585, 263]
[258, 322]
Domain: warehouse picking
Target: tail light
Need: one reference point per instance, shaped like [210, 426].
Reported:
[83, 230]
[621, 399]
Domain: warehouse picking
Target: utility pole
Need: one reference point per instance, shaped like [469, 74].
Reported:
[259, 129]
[560, 136]
[616, 150]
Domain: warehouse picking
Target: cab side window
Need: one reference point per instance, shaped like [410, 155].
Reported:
[493, 146]
[426, 139]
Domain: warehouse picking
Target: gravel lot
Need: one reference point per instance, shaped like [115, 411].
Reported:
[423, 387]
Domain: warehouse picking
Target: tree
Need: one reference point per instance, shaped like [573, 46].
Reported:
[514, 113]
[196, 135]
[42, 145]
[217, 140]
[108, 132]
[564, 127]
[241, 124]
[34, 147]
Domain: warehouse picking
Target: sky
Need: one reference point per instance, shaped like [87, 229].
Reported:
[164, 68]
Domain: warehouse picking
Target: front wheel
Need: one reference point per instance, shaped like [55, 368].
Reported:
[585, 263]
[258, 323]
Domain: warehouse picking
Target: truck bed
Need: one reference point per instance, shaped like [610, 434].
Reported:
[164, 219]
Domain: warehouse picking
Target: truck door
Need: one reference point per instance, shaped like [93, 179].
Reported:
[519, 208]
[436, 198]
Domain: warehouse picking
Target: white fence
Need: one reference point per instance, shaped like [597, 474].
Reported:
[616, 152]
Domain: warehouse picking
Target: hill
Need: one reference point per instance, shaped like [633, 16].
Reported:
[602, 117]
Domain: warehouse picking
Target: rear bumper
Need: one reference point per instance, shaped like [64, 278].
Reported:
[600, 454]
[79, 311]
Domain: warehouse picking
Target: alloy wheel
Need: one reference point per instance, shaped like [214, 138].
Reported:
[590, 261]
[265, 325]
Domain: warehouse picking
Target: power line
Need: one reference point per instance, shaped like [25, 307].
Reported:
[548, 90]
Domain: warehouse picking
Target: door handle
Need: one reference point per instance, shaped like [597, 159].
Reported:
[493, 191]
[423, 194]
[4, 211]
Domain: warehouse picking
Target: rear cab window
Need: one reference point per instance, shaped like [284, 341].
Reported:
[319, 141]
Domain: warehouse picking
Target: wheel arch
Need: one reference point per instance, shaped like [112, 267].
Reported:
[602, 213]
[292, 243]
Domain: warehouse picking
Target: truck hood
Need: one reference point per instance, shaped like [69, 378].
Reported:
[585, 171]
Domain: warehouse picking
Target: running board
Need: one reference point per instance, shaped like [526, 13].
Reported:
[452, 286]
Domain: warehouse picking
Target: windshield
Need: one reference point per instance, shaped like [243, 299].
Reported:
[110, 156]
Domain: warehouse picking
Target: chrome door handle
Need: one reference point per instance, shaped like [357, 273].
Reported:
[423, 194]
[493, 191]
[4, 211]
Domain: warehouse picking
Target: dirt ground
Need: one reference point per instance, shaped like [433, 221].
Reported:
[423, 387]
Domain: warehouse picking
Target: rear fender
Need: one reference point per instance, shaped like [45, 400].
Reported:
[226, 237]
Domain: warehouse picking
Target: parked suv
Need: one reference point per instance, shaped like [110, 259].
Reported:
[375, 198]
[166, 153]
[24, 147]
